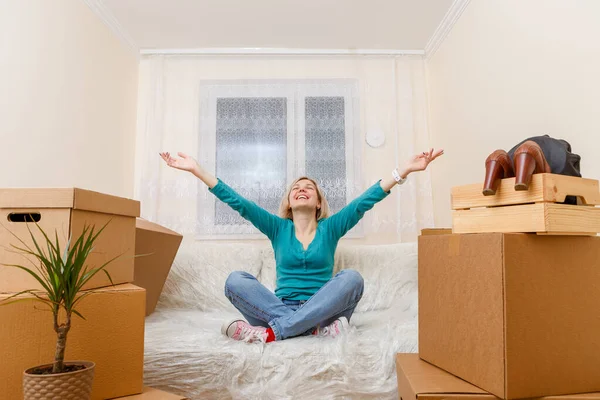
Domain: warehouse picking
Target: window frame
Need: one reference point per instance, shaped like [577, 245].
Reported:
[295, 91]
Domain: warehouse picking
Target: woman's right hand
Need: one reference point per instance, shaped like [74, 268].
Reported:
[185, 163]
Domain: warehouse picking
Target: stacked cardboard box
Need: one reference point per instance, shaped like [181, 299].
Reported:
[419, 380]
[514, 314]
[112, 335]
[66, 212]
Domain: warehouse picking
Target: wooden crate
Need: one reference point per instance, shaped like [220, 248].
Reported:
[537, 210]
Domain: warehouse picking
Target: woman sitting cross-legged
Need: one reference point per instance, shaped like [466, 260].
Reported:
[307, 299]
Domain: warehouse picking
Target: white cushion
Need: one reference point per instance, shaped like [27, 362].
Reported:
[198, 275]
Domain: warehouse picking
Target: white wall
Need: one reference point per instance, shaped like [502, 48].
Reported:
[68, 92]
[508, 70]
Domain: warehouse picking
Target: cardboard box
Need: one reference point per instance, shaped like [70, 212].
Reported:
[153, 394]
[514, 314]
[157, 246]
[112, 336]
[419, 380]
[66, 211]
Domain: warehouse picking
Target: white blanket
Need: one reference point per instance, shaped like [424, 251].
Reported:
[187, 354]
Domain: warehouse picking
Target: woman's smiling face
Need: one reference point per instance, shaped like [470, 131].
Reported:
[304, 195]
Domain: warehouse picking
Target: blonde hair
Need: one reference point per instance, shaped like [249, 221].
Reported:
[285, 210]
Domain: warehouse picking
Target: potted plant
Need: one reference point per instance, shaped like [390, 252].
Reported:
[62, 275]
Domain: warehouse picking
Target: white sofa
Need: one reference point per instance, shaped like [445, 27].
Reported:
[187, 354]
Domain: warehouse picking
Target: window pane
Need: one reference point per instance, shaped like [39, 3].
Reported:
[251, 152]
[325, 140]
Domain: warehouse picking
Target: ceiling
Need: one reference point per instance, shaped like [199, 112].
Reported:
[300, 24]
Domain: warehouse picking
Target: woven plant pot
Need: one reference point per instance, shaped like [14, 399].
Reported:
[76, 385]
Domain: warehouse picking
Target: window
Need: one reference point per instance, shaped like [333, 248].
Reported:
[259, 136]
[325, 145]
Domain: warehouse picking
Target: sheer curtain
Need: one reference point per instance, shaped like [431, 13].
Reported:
[260, 122]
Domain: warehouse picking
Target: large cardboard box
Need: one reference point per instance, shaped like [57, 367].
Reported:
[517, 315]
[66, 211]
[419, 380]
[112, 336]
[156, 247]
[153, 394]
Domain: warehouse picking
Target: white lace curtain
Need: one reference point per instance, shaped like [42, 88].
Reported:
[258, 123]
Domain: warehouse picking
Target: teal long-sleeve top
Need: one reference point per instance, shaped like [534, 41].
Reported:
[301, 273]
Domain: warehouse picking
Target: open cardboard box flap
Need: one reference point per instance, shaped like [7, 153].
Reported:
[156, 247]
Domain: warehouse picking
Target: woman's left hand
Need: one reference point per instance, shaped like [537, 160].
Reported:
[421, 161]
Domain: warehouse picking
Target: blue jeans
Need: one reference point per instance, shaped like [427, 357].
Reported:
[289, 318]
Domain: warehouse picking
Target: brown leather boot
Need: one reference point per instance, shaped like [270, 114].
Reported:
[497, 166]
[529, 159]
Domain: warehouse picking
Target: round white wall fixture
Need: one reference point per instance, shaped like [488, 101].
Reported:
[375, 137]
